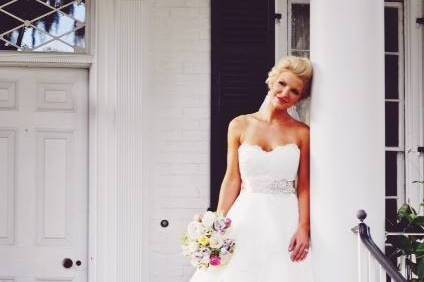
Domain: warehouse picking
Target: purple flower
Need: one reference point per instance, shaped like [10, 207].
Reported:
[227, 222]
[219, 225]
[229, 245]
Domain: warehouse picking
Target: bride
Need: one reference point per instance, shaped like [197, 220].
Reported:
[265, 190]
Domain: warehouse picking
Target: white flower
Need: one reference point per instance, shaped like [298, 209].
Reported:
[193, 246]
[195, 230]
[208, 218]
[197, 217]
[194, 262]
[225, 258]
[186, 251]
[216, 241]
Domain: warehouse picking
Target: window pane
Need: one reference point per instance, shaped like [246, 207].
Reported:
[390, 250]
[391, 29]
[26, 10]
[300, 53]
[392, 76]
[300, 28]
[391, 173]
[391, 212]
[45, 26]
[392, 124]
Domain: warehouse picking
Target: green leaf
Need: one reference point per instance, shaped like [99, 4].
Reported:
[406, 210]
[405, 245]
[419, 220]
[419, 251]
[420, 268]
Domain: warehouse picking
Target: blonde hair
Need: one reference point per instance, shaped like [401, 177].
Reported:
[300, 66]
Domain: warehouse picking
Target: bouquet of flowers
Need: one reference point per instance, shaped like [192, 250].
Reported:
[205, 242]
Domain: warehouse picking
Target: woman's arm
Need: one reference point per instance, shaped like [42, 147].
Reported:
[300, 240]
[230, 187]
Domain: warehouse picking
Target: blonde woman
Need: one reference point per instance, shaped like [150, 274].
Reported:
[265, 190]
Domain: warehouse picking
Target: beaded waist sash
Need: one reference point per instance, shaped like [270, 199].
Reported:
[275, 186]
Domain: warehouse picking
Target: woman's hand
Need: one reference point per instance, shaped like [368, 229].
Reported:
[299, 244]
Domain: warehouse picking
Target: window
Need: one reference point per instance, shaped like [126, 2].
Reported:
[298, 29]
[395, 115]
[43, 26]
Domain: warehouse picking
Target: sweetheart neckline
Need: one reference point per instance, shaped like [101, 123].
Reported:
[272, 150]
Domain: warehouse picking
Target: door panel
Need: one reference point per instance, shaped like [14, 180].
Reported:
[43, 170]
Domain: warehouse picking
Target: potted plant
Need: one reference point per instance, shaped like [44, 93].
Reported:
[409, 243]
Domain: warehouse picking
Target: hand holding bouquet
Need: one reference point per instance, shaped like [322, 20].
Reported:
[205, 242]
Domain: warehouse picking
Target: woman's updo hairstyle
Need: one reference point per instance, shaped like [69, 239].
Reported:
[300, 66]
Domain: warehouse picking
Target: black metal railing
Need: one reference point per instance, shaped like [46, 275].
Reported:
[365, 235]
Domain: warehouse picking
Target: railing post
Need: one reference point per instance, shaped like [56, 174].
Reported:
[364, 239]
[359, 258]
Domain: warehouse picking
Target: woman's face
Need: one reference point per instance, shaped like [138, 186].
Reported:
[287, 90]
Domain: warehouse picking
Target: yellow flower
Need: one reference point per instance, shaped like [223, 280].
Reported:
[204, 240]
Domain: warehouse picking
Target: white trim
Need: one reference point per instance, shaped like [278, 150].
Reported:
[92, 145]
[92, 181]
[299, 1]
[289, 26]
[45, 60]
[92, 142]
[281, 30]
[414, 113]
[103, 145]
[149, 62]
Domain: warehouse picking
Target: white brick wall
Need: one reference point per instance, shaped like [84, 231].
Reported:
[179, 185]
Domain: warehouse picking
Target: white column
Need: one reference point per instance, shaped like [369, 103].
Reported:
[347, 131]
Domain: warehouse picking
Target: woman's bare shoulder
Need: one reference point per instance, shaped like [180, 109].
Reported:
[302, 127]
[238, 125]
[237, 122]
[242, 121]
[302, 130]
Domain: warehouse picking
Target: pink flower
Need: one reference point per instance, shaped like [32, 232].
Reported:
[214, 260]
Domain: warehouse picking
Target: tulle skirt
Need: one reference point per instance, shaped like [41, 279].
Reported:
[262, 226]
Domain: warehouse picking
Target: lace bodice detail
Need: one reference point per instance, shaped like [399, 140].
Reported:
[269, 171]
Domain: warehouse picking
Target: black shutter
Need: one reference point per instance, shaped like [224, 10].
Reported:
[242, 54]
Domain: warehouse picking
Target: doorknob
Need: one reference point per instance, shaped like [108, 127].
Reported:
[67, 263]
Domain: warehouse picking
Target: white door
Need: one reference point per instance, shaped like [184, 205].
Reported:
[43, 174]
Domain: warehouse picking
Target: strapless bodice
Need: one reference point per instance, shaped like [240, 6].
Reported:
[272, 171]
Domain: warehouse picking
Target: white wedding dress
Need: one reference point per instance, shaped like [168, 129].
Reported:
[264, 218]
